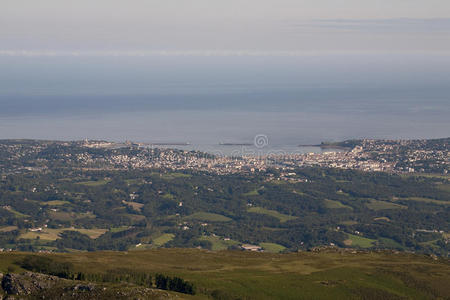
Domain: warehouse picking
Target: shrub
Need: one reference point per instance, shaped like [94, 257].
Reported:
[48, 266]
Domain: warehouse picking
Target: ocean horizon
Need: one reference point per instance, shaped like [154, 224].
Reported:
[209, 100]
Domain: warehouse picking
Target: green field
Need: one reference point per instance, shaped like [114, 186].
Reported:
[252, 193]
[249, 275]
[336, 204]
[163, 239]
[209, 217]
[218, 243]
[119, 229]
[359, 241]
[382, 219]
[8, 228]
[349, 222]
[427, 200]
[380, 205]
[140, 246]
[168, 196]
[135, 205]
[55, 202]
[272, 247]
[273, 213]
[389, 243]
[16, 213]
[53, 234]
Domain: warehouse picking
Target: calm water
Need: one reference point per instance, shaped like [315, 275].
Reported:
[250, 150]
[207, 101]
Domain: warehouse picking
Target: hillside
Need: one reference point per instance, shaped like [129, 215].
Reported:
[75, 196]
[66, 210]
[323, 274]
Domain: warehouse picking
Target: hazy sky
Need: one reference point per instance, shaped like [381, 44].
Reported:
[206, 70]
[280, 27]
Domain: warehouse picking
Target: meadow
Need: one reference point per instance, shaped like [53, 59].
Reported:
[205, 216]
[272, 213]
[326, 274]
[53, 234]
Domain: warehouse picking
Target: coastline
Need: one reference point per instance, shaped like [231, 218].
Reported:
[325, 146]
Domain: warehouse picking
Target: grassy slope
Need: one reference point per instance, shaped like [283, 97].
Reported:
[380, 205]
[245, 275]
[218, 243]
[8, 228]
[273, 213]
[55, 202]
[205, 216]
[119, 229]
[53, 234]
[163, 239]
[16, 213]
[272, 247]
[421, 199]
[359, 241]
[332, 204]
[252, 193]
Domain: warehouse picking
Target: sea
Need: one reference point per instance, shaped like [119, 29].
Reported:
[226, 104]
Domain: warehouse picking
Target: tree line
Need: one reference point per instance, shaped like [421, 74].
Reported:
[66, 270]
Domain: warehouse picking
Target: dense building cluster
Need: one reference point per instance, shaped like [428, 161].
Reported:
[395, 156]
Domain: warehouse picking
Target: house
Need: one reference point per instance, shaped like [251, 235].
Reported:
[249, 247]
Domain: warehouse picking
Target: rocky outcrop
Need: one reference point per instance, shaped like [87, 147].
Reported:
[31, 285]
[84, 287]
[27, 283]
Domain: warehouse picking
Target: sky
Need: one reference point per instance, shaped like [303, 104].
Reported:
[208, 70]
[213, 27]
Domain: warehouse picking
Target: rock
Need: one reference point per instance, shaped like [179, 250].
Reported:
[31, 285]
[10, 284]
[84, 287]
[27, 283]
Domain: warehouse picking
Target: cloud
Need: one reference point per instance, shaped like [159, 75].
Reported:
[145, 53]
[148, 53]
[397, 25]
[199, 53]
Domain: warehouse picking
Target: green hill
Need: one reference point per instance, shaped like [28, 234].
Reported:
[320, 274]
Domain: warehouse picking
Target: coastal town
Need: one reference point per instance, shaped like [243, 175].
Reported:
[393, 156]
[99, 195]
